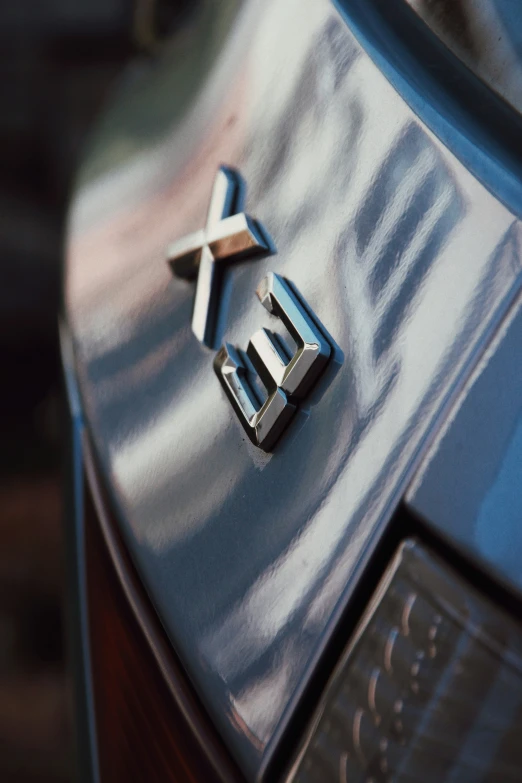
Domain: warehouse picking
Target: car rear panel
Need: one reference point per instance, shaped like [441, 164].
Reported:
[409, 262]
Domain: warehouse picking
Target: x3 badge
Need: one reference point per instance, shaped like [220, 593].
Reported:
[231, 235]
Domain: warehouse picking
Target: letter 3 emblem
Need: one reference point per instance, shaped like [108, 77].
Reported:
[287, 378]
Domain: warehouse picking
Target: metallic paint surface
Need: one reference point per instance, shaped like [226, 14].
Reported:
[405, 258]
[485, 34]
[468, 485]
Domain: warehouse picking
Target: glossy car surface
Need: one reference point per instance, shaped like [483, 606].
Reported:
[407, 259]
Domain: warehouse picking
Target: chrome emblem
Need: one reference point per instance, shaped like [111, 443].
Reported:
[230, 235]
[287, 378]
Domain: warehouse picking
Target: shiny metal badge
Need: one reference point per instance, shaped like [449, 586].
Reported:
[230, 235]
[287, 378]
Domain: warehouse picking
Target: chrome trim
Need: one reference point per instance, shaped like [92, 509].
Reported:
[282, 374]
[229, 236]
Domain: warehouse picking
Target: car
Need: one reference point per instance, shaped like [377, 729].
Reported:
[291, 340]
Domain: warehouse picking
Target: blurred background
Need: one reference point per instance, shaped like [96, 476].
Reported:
[59, 59]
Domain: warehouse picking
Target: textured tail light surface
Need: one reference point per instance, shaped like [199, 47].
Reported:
[430, 689]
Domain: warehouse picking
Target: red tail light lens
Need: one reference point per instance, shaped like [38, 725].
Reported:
[149, 723]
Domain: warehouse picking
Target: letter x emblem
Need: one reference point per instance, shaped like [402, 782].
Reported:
[286, 374]
[230, 235]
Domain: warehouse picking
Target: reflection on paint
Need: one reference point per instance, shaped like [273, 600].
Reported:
[485, 34]
[404, 257]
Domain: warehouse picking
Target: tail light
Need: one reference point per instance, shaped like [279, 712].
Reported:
[430, 689]
[149, 724]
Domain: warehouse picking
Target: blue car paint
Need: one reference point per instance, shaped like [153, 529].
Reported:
[409, 262]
